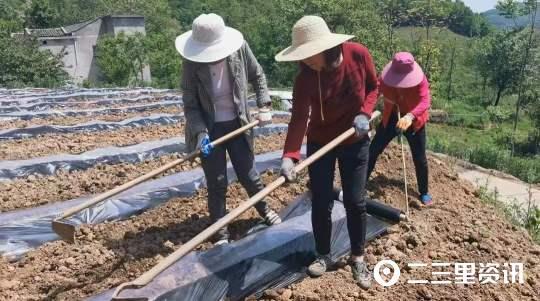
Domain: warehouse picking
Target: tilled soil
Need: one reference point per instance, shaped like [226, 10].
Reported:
[76, 143]
[94, 104]
[457, 228]
[38, 190]
[111, 253]
[72, 120]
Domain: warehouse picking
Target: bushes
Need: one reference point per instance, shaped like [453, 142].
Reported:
[489, 156]
[24, 65]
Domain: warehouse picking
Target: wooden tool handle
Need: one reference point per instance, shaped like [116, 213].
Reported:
[145, 278]
[153, 173]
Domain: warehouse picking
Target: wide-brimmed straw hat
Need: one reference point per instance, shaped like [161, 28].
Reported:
[310, 36]
[402, 72]
[209, 40]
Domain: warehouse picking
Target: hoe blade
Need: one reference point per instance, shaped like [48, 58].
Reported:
[64, 230]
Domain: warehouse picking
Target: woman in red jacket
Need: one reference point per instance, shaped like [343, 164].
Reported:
[335, 90]
[406, 102]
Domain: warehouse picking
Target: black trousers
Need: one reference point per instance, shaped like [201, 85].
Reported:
[417, 142]
[353, 160]
[215, 169]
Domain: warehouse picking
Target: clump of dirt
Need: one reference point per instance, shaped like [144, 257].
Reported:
[76, 143]
[73, 120]
[457, 228]
[38, 190]
[111, 253]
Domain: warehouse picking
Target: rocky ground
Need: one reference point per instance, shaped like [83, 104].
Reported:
[458, 227]
[69, 120]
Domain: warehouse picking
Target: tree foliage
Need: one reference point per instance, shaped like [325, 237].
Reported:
[23, 64]
[122, 59]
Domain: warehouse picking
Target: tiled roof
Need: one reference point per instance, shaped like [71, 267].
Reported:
[66, 30]
[47, 32]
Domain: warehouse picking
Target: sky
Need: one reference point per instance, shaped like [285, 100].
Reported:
[480, 6]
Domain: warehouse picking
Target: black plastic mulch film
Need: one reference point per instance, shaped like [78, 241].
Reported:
[272, 258]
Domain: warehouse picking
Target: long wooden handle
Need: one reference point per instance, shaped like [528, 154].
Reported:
[404, 168]
[145, 278]
[153, 173]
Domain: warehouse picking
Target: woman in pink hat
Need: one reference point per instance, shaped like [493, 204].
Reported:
[406, 94]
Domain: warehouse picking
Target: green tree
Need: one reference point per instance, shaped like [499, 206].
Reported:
[122, 59]
[498, 59]
[165, 62]
[40, 14]
[24, 65]
[393, 13]
[513, 9]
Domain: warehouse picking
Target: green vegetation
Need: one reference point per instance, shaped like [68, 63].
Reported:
[528, 218]
[485, 79]
[27, 66]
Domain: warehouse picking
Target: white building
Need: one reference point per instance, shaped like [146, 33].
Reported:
[78, 43]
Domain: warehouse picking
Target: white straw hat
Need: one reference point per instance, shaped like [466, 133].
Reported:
[209, 40]
[310, 36]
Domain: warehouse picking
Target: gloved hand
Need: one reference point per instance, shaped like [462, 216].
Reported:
[361, 125]
[264, 116]
[287, 169]
[405, 122]
[204, 145]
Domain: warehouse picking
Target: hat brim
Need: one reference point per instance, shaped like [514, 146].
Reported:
[402, 80]
[195, 51]
[304, 51]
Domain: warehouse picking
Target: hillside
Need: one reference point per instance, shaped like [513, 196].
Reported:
[495, 19]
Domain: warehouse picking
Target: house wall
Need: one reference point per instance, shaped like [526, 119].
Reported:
[79, 49]
[85, 41]
[65, 45]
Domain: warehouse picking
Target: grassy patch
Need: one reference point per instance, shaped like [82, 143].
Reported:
[479, 147]
[528, 218]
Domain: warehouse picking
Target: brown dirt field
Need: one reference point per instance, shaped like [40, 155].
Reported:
[9, 124]
[112, 253]
[76, 143]
[459, 227]
[91, 104]
[39, 190]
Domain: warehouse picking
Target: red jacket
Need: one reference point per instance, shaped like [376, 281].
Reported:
[415, 100]
[345, 92]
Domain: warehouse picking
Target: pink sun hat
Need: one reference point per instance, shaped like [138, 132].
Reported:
[402, 72]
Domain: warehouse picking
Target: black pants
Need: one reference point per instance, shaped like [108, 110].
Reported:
[215, 169]
[353, 160]
[417, 142]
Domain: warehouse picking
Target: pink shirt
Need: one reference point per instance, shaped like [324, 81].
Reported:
[415, 100]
